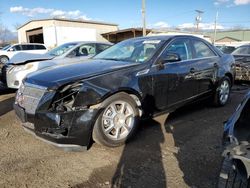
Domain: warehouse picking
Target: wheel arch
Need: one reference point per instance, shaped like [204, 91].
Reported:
[135, 95]
[4, 55]
[97, 133]
[242, 166]
[230, 76]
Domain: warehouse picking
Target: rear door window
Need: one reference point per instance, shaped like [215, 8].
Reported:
[40, 47]
[201, 50]
[28, 47]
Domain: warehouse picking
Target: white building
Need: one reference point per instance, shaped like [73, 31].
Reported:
[53, 32]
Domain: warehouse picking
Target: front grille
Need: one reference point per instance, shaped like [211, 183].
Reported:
[29, 97]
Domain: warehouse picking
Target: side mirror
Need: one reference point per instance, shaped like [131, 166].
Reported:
[171, 57]
[11, 50]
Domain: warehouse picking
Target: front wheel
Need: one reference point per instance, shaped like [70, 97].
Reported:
[222, 92]
[4, 59]
[117, 122]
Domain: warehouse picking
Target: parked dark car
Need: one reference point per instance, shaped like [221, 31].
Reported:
[105, 97]
[235, 170]
[226, 49]
[242, 60]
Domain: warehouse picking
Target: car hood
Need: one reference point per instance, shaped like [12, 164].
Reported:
[53, 62]
[57, 76]
[23, 58]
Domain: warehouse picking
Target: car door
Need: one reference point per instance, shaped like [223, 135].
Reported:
[207, 63]
[173, 82]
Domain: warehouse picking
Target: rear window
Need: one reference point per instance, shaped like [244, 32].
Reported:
[28, 47]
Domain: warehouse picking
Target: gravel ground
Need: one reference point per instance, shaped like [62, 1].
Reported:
[180, 149]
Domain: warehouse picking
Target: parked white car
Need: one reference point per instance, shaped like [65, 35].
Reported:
[9, 51]
[24, 63]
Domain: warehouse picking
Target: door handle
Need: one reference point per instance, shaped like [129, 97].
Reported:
[192, 70]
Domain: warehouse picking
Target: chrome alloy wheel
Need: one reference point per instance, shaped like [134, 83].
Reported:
[118, 120]
[4, 60]
[224, 91]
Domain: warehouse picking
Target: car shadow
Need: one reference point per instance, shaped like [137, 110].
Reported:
[4, 90]
[6, 105]
[192, 136]
[140, 164]
[197, 132]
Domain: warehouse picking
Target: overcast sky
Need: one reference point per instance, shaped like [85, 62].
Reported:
[127, 13]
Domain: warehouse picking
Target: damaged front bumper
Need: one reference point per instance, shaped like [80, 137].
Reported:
[68, 130]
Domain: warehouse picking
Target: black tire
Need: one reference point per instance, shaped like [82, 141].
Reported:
[99, 135]
[218, 101]
[231, 177]
[4, 59]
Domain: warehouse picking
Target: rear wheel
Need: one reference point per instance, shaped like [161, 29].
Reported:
[4, 59]
[117, 122]
[222, 92]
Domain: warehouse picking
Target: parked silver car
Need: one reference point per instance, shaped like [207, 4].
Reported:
[9, 51]
[24, 63]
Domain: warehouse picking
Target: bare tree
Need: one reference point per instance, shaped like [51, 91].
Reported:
[3, 33]
[16, 25]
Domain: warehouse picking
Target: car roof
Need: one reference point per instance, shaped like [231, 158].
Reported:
[89, 42]
[27, 44]
[166, 37]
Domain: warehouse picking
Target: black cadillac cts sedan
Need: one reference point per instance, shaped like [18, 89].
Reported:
[104, 98]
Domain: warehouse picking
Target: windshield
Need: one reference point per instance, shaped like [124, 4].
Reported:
[133, 50]
[6, 47]
[62, 49]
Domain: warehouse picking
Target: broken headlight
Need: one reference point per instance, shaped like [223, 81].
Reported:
[65, 97]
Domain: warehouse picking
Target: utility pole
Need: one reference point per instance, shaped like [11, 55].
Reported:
[198, 19]
[143, 18]
[215, 29]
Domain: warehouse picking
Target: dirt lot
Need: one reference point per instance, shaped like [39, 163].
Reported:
[181, 149]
